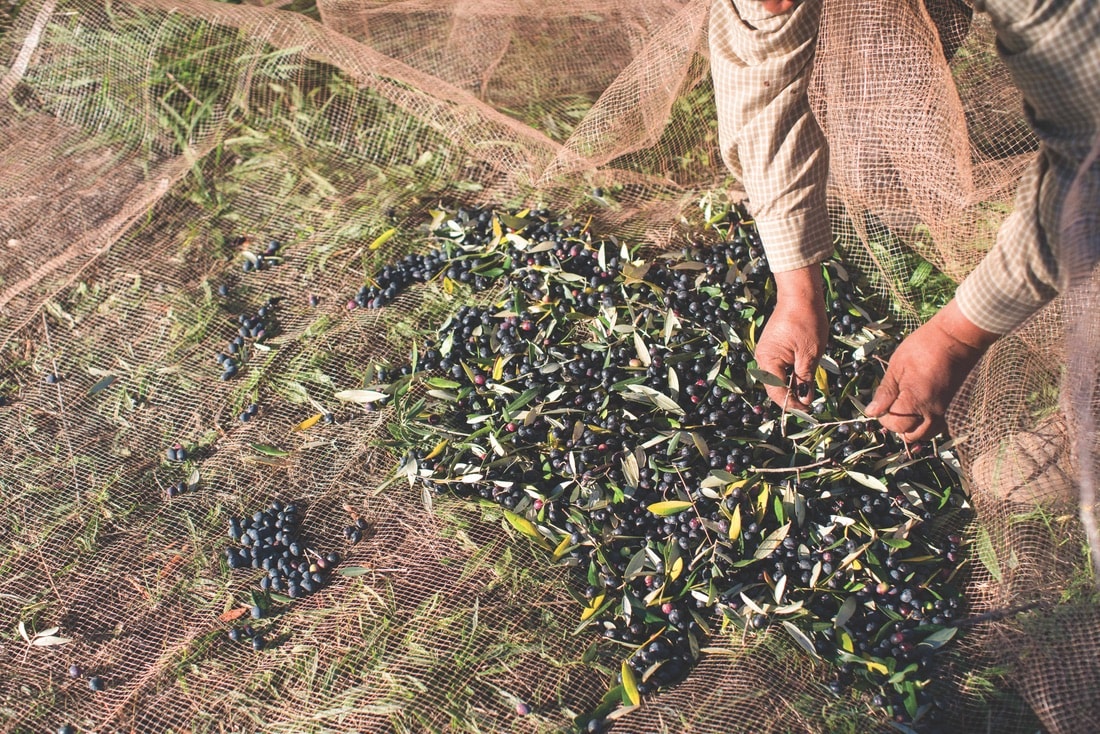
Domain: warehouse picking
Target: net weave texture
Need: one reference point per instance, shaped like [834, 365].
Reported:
[139, 137]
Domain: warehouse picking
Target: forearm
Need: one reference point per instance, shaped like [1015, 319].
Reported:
[761, 64]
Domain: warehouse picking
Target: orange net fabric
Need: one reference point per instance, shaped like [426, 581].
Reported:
[140, 138]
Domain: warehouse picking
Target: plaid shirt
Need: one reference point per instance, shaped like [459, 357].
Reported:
[761, 67]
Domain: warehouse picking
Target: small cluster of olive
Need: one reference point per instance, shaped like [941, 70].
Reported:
[270, 540]
[253, 328]
[354, 533]
[248, 413]
[262, 261]
[392, 279]
[246, 633]
[95, 683]
[176, 452]
[181, 487]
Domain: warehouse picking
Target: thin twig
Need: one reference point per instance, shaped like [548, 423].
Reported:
[998, 614]
[61, 404]
[781, 470]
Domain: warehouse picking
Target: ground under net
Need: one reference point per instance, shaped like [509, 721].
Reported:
[140, 139]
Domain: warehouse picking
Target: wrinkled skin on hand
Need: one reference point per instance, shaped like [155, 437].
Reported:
[795, 336]
[925, 373]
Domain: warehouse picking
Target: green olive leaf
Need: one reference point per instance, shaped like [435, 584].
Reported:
[769, 544]
[267, 450]
[847, 609]
[801, 638]
[868, 481]
[766, 378]
[102, 385]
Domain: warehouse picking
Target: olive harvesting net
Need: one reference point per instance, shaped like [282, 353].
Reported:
[445, 311]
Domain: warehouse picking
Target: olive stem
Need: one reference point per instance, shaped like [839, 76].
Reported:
[998, 614]
[782, 469]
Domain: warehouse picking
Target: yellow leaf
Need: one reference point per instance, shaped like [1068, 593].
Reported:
[822, 379]
[846, 641]
[498, 232]
[308, 423]
[383, 238]
[879, 667]
[563, 548]
[669, 507]
[676, 569]
[592, 608]
[762, 500]
[525, 526]
[437, 450]
[448, 285]
[498, 368]
[630, 686]
[735, 523]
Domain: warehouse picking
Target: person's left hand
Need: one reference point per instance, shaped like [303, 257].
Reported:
[926, 372]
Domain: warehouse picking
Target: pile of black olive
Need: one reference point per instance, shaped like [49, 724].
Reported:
[271, 540]
[261, 261]
[611, 405]
[250, 329]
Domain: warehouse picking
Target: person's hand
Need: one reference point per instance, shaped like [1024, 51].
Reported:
[795, 336]
[926, 371]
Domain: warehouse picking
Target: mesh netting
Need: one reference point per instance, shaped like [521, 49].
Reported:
[139, 138]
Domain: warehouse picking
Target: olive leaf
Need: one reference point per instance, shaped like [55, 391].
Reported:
[669, 507]
[939, 638]
[308, 423]
[382, 238]
[987, 554]
[360, 396]
[847, 609]
[769, 544]
[735, 523]
[868, 481]
[593, 607]
[780, 588]
[41, 640]
[267, 450]
[442, 383]
[525, 526]
[641, 349]
[630, 469]
[630, 686]
[102, 385]
[800, 637]
[658, 398]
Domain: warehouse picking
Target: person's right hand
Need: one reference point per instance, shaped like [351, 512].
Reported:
[795, 336]
[925, 373]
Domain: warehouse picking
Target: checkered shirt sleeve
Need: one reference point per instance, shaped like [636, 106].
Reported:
[1054, 59]
[761, 65]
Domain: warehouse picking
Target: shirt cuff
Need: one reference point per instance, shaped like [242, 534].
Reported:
[998, 295]
[797, 239]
